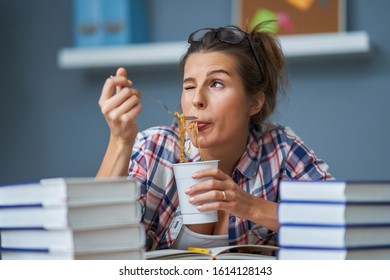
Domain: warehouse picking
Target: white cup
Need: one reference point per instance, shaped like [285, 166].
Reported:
[183, 175]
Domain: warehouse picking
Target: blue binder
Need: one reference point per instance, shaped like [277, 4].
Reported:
[125, 22]
[109, 22]
[87, 23]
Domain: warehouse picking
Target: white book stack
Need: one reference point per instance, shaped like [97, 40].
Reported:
[334, 220]
[71, 218]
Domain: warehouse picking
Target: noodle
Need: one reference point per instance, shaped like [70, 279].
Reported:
[193, 129]
[182, 135]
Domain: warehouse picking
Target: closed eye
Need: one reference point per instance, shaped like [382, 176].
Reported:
[188, 87]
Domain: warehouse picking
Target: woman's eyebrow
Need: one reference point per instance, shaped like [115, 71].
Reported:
[210, 73]
[189, 79]
[218, 71]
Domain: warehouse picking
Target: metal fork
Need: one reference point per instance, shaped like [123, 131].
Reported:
[151, 97]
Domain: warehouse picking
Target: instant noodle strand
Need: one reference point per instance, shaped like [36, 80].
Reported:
[182, 135]
[193, 130]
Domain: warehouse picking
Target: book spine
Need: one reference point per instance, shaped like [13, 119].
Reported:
[38, 239]
[36, 216]
[16, 184]
[330, 248]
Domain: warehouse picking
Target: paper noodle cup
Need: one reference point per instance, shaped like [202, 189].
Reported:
[183, 176]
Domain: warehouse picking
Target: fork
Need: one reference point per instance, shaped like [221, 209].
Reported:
[188, 118]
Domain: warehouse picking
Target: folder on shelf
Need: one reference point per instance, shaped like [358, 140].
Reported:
[87, 23]
[109, 22]
[125, 22]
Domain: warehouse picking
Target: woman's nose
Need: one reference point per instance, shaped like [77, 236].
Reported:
[199, 100]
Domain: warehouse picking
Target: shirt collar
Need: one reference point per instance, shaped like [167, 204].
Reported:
[249, 161]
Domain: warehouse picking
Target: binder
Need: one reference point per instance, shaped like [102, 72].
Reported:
[125, 22]
[109, 22]
[87, 23]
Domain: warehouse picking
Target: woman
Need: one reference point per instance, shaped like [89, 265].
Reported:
[230, 84]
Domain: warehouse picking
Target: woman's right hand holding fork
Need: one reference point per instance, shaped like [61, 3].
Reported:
[120, 106]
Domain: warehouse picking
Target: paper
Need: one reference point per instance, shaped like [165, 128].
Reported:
[262, 15]
[302, 5]
[285, 22]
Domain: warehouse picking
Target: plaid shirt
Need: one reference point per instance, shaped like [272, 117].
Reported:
[270, 156]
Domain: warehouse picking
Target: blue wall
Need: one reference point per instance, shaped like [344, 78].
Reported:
[50, 123]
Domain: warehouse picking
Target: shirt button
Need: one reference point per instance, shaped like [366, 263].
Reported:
[232, 219]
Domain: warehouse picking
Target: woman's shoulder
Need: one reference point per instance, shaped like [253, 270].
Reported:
[275, 133]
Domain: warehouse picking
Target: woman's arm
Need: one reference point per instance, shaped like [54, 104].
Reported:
[116, 159]
[120, 105]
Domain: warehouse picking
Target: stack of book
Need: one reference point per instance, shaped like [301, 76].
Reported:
[334, 220]
[71, 218]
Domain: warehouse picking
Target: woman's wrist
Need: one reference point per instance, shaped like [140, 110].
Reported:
[120, 144]
[117, 158]
[264, 212]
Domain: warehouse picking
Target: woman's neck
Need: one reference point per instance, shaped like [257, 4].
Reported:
[228, 155]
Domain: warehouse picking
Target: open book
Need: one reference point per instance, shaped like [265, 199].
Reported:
[235, 252]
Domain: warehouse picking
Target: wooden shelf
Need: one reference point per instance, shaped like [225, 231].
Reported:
[169, 53]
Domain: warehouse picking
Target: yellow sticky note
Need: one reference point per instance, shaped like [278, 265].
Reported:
[198, 250]
[303, 5]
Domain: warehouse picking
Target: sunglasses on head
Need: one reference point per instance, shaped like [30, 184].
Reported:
[230, 35]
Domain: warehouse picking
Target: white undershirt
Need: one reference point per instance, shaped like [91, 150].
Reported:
[188, 238]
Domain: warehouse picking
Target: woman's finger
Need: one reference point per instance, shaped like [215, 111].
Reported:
[125, 107]
[131, 115]
[113, 85]
[121, 73]
[118, 99]
[216, 173]
[107, 91]
[214, 195]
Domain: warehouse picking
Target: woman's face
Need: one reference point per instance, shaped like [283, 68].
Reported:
[214, 93]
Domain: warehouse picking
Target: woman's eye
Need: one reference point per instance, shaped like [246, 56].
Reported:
[188, 87]
[216, 84]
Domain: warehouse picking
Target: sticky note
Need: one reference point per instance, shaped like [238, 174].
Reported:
[303, 5]
[262, 15]
[198, 250]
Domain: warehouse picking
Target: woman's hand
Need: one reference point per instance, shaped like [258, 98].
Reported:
[222, 193]
[120, 105]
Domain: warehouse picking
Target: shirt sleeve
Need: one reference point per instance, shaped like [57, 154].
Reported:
[151, 162]
[302, 163]
[137, 165]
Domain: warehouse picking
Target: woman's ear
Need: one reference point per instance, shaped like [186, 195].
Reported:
[257, 103]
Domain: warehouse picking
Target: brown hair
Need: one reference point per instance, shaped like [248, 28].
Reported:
[270, 79]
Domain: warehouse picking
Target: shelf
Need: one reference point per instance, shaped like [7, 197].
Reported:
[326, 44]
[169, 53]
